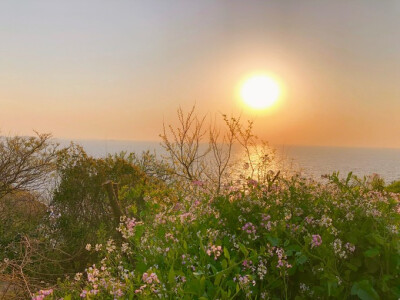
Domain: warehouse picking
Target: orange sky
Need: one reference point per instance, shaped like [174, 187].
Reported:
[115, 70]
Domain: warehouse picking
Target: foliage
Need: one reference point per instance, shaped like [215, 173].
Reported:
[25, 162]
[394, 187]
[81, 204]
[200, 225]
[20, 214]
[296, 239]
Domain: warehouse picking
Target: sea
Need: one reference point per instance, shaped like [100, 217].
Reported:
[311, 161]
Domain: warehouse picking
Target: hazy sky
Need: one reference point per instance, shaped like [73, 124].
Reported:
[116, 69]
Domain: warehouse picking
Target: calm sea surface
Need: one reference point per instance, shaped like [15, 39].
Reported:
[312, 161]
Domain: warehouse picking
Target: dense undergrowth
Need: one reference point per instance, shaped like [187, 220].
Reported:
[295, 239]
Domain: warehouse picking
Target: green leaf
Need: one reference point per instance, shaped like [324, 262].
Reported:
[199, 273]
[351, 266]
[273, 240]
[371, 252]
[193, 287]
[185, 245]
[243, 249]
[378, 239]
[218, 279]
[296, 248]
[301, 259]
[226, 253]
[171, 275]
[202, 285]
[68, 297]
[224, 264]
[139, 230]
[364, 290]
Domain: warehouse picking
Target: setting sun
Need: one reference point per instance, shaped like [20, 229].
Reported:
[260, 92]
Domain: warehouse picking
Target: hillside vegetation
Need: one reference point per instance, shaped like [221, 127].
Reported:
[196, 224]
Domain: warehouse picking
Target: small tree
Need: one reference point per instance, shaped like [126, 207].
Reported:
[26, 162]
[196, 159]
[183, 145]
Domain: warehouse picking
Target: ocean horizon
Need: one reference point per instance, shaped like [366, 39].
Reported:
[311, 161]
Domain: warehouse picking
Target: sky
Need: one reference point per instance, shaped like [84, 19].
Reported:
[117, 70]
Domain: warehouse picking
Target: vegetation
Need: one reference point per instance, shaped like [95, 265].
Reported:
[394, 187]
[197, 224]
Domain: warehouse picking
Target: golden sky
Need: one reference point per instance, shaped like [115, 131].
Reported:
[117, 69]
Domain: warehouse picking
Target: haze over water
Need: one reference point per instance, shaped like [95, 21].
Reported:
[310, 160]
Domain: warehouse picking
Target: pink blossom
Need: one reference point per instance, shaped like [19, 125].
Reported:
[316, 240]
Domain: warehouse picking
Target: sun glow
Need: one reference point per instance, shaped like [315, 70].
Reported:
[260, 92]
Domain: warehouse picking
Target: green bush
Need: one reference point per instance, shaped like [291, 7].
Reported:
[296, 239]
[80, 201]
[20, 214]
[394, 187]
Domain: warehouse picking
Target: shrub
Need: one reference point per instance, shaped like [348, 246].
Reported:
[297, 239]
[394, 187]
[81, 203]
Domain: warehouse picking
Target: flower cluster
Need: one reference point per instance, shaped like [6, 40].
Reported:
[127, 227]
[215, 250]
[265, 221]
[316, 240]
[42, 294]
[251, 230]
[282, 259]
[236, 246]
[151, 283]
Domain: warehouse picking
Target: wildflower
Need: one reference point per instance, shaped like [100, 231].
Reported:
[83, 294]
[316, 240]
[125, 248]
[249, 228]
[94, 291]
[337, 248]
[127, 227]
[325, 221]
[261, 270]
[150, 278]
[247, 263]
[98, 247]
[78, 276]
[282, 263]
[349, 216]
[110, 246]
[118, 293]
[350, 247]
[265, 222]
[309, 220]
[88, 247]
[215, 250]
[42, 294]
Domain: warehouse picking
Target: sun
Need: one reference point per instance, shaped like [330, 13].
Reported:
[260, 92]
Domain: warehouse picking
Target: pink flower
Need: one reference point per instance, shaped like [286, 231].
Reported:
[83, 294]
[316, 240]
[42, 294]
[216, 250]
